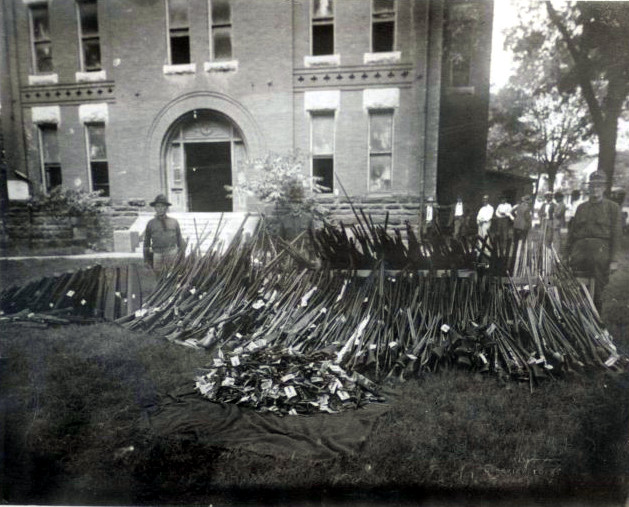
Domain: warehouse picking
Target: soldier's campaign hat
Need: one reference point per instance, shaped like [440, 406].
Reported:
[598, 178]
[160, 199]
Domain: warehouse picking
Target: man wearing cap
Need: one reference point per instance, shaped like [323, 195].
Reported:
[162, 236]
[594, 236]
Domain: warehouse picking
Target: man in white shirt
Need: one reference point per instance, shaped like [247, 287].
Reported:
[483, 218]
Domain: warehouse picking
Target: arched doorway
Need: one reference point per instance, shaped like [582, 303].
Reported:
[202, 148]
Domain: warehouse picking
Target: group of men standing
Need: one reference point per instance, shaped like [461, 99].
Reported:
[594, 233]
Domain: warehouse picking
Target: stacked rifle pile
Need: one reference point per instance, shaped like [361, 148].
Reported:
[265, 294]
[87, 295]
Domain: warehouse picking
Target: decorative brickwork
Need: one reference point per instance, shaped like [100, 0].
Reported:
[354, 77]
[73, 93]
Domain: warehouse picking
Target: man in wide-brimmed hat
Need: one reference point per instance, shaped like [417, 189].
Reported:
[594, 236]
[162, 236]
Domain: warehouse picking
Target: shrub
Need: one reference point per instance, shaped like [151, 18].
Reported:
[62, 202]
[85, 207]
[282, 181]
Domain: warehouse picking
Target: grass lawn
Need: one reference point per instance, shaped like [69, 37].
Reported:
[76, 399]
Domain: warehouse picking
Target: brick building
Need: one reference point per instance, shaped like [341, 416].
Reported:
[139, 97]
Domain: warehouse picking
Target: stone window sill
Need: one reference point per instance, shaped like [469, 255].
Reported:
[43, 79]
[221, 66]
[91, 77]
[461, 90]
[322, 61]
[183, 68]
[376, 58]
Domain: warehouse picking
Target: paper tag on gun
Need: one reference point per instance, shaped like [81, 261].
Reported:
[70, 293]
[342, 395]
[228, 382]
[445, 328]
[491, 329]
[611, 361]
[235, 360]
[290, 392]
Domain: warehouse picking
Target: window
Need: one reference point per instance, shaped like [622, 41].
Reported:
[383, 26]
[323, 149]
[88, 32]
[178, 31]
[322, 27]
[221, 30]
[460, 43]
[97, 156]
[380, 150]
[40, 38]
[49, 155]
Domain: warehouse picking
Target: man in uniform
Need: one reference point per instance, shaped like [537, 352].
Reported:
[594, 237]
[162, 236]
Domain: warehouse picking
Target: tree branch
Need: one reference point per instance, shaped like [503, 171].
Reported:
[582, 65]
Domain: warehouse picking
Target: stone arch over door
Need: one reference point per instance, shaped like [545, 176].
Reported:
[161, 129]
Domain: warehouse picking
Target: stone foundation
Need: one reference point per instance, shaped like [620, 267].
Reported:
[28, 228]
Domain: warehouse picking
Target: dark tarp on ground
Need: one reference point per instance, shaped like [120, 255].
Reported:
[317, 436]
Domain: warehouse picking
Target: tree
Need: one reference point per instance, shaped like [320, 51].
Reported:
[580, 48]
[535, 132]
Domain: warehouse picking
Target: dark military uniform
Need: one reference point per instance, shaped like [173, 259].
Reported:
[163, 239]
[593, 241]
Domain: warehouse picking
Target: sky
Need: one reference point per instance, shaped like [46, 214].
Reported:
[504, 15]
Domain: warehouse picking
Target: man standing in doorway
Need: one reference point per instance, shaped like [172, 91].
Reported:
[162, 237]
[594, 237]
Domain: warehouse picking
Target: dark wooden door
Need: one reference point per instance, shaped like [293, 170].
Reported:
[208, 170]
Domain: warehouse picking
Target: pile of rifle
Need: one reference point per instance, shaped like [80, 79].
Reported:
[383, 325]
[84, 296]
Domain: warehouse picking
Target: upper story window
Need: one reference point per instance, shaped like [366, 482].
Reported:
[89, 38]
[178, 32]
[322, 130]
[49, 156]
[383, 26]
[380, 150]
[460, 43]
[322, 27]
[97, 156]
[221, 30]
[40, 38]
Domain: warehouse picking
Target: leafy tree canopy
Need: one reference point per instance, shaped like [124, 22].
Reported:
[577, 49]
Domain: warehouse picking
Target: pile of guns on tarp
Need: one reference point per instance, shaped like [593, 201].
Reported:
[264, 300]
[84, 296]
